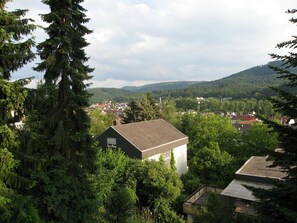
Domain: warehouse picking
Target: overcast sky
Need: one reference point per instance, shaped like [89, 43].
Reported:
[136, 42]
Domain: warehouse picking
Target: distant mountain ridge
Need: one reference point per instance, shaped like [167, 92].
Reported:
[161, 86]
[250, 83]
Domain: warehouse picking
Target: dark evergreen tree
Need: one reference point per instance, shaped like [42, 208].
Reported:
[148, 108]
[144, 110]
[132, 113]
[279, 203]
[15, 52]
[61, 125]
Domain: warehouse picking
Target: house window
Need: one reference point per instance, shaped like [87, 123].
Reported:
[112, 142]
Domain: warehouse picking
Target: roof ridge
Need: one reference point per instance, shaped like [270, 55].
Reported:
[137, 123]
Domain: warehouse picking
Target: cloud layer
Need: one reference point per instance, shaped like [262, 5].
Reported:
[144, 41]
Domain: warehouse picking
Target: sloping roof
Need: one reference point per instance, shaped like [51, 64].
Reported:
[246, 118]
[248, 122]
[259, 166]
[256, 173]
[237, 189]
[151, 134]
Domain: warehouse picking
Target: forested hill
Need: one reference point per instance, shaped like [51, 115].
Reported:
[250, 83]
[129, 92]
[174, 85]
[107, 94]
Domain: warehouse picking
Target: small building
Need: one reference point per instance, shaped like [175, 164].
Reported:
[256, 173]
[198, 199]
[148, 140]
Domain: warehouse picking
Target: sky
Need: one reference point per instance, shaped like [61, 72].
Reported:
[137, 42]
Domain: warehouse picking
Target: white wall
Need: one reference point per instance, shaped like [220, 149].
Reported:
[155, 157]
[180, 156]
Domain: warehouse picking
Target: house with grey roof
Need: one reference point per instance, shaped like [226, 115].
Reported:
[256, 172]
[148, 140]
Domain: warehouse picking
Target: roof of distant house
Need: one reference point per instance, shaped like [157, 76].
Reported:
[256, 172]
[150, 134]
[246, 117]
[259, 166]
[248, 122]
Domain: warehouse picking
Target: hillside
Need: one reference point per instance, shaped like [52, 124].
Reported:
[161, 86]
[128, 92]
[106, 94]
[250, 83]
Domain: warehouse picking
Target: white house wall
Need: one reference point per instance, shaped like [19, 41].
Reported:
[155, 157]
[180, 156]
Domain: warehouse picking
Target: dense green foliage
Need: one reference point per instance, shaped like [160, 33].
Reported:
[145, 109]
[186, 104]
[168, 112]
[138, 184]
[216, 149]
[243, 106]
[259, 140]
[99, 121]
[212, 139]
[15, 52]
[218, 209]
[148, 110]
[279, 203]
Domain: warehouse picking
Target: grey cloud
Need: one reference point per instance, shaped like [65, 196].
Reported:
[162, 40]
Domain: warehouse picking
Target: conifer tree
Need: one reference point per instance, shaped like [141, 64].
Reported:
[144, 110]
[15, 52]
[148, 109]
[64, 191]
[279, 203]
[132, 112]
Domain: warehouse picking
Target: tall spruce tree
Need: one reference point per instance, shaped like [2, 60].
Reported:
[279, 203]
[15, 52]
[64, 191]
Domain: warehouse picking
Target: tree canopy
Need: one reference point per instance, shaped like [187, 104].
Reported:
[144, 110]
[139, 184]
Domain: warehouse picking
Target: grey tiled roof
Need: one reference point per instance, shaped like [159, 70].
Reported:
[150, 134]
[255, 173]
[259, 166]
[237, 189]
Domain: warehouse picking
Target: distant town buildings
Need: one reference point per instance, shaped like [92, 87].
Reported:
[116, 109]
